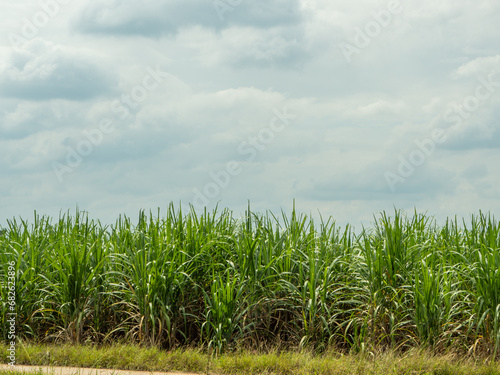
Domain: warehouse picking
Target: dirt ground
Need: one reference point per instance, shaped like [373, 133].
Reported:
[53, 370]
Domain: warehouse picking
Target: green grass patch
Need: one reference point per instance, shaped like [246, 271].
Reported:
[130, 357]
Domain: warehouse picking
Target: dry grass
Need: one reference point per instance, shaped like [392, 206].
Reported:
[135, 358]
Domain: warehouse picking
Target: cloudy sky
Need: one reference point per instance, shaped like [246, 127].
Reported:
[350, 108]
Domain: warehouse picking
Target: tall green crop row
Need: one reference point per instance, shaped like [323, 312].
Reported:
[259, 281]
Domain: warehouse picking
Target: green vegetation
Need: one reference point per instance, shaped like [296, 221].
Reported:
[257, 283]
[133, 358]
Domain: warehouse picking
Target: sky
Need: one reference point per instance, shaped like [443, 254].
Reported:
[347, 108]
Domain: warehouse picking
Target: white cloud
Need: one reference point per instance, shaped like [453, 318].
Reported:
[42, 70]
[481, 66]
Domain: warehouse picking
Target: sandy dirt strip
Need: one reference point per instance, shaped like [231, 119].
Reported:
[55, 370]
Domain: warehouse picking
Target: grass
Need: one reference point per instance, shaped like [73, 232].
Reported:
[225, 284]
[133, 358]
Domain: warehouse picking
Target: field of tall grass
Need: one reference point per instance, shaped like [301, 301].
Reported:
[262, 281]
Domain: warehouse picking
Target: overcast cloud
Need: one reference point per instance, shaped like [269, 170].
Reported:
[347, 107]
